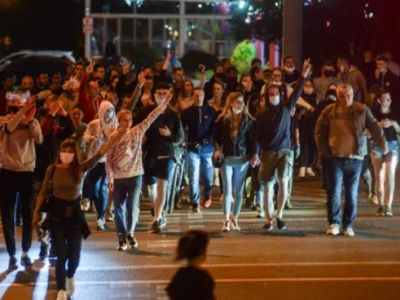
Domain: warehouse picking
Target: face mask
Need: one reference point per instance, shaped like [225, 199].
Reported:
[276, 83]
[341, 68]
[308, 91]
[274, 100]
[382, 70]
[158, 100]
[237, 111]
[289, 70]
[108, 115]
[103, 94]
[66, 157]
[329, 73]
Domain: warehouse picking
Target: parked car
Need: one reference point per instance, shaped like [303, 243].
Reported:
[33, 62]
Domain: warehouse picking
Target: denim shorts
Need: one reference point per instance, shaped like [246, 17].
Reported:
[393, 147]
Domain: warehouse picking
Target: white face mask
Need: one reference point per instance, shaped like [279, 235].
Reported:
[341, 69]
[66, 157]
[274, 100]
[382, 70]
[289, 70]
[108, 116]
[103, 94]
[308, 91]
[277, 83]
[159, 100]
[237, 111]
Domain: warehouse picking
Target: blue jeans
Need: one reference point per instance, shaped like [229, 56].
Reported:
[95, 187]
[126, 197]
[200, 166]
[233, 179]
[344, 171]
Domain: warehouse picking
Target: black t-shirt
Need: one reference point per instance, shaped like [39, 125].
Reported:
[191, 283]
[390, 132]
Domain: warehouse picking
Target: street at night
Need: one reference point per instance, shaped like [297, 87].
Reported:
[299, 263]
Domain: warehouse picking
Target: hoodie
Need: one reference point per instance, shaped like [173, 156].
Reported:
[99, 129]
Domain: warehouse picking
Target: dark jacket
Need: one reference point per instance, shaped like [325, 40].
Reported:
[242, 145]
[272, 128]
[156, 144]
[200, 123]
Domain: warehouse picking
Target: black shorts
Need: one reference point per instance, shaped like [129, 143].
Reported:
[162, 168]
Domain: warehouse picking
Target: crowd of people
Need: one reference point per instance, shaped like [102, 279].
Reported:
[111, 135]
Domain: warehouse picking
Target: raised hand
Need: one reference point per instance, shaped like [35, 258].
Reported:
[306, 68]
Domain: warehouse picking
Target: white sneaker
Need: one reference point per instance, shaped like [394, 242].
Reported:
[70, 286]
[227, 226]
[101, 224]
[310, 172]
[62, 295]
[334, 229]
[302, 172]
[235, 224]
[348, 232]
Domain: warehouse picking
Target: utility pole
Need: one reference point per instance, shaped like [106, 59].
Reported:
[88, 34]
[293, 30]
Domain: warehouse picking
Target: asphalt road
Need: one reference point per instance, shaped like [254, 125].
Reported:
[299, 263]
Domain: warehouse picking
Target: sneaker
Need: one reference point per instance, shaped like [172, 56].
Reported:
[388, 211]
[381, 211]
[269, 225]
[163, 222]
[235, 224]
[261, 214]
[122, 246]
[155, 227]
[348, 231]
[109, 216]
[101, 224]
[26, 261]
[288, 205]
[373, 199]
[12, 263]
[334, 229]
[280, 223]
[227, 226]
[70, 286]
[85, 204]
[44, 249]
[310, 172]
[196, 208]
[207, 202]
[132, 241]
[302, 172]
[62, 295]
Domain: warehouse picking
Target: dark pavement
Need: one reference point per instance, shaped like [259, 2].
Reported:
[299, 263]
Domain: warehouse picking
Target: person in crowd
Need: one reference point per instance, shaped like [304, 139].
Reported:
[192, 281]
[219, 75]
[8, 82]
[322, 83]
[162, 140]
[124, 172]
[393, 66]
[42, 82]
[387, 80]
[290, 74]
[199, 121]
[306, 122]
[217, 101]
[70, 87]
[272, 132]
[250, 95]
[19, 132]
[367, 67]
[27, 85]
[185, 97]
[234, 143]
[76, 116]
[62, 188]
[385, 164]
[342, 143]
[349, 73]
[257, 76]
[231, 79]
[95, 187]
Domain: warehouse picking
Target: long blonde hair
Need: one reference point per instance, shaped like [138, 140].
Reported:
[227, 111]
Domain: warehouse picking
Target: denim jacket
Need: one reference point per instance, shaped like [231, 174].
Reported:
[362, 120]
